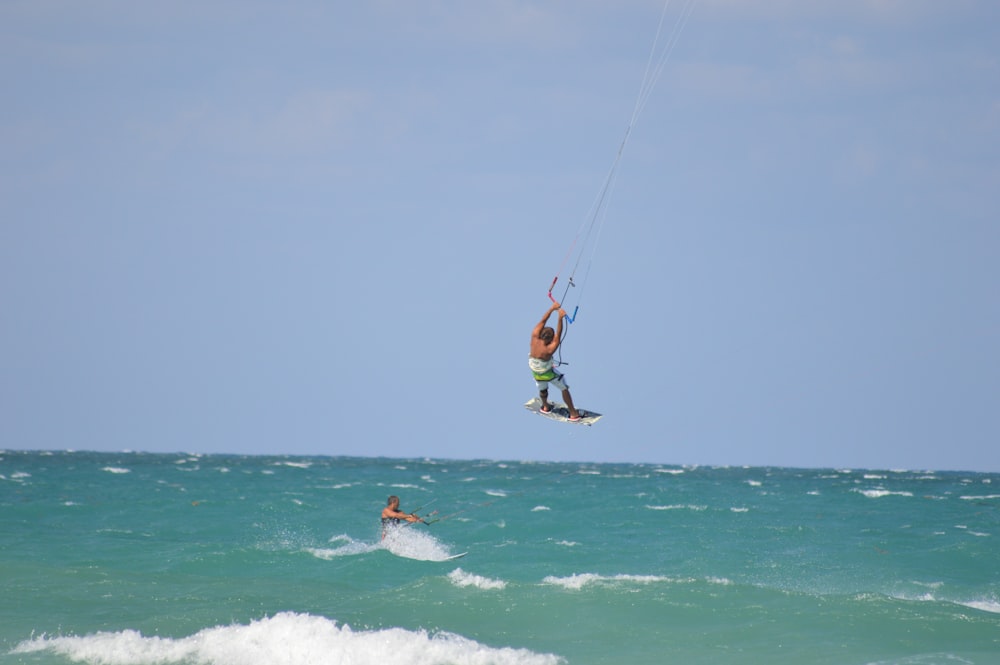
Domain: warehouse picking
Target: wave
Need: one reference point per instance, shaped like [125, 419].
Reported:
[577, 582]
[991, 606]
[879, 493]
[410, 543]
[287, 638]
[403, 541]
[347, 547]
[294, 465]
[461, 578]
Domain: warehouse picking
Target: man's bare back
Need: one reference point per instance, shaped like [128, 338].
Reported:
[544, 340]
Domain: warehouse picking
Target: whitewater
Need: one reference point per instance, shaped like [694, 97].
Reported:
[134, 558]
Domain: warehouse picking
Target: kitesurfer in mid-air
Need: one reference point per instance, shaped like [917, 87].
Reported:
[544, 342]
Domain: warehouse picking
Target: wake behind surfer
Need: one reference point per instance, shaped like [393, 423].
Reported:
[544, 342]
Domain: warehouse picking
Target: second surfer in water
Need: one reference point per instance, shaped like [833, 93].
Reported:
[393, 516]
[544, 342]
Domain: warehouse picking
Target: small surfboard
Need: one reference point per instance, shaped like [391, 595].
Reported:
[454, 556]
[560, 412]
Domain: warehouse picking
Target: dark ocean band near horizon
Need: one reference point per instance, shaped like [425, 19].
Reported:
[136, 558]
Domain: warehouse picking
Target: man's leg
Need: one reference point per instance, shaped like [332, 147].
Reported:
[544, 394]
[573, 413]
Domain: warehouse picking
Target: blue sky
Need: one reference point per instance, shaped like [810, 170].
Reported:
[329, 227]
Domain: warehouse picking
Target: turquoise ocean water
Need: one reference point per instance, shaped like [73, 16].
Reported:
[140, 558]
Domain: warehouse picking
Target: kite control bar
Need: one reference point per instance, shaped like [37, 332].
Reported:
[555, 279]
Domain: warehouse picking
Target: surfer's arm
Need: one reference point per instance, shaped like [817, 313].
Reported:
[548, 313]
[400, 515]
[555, 340]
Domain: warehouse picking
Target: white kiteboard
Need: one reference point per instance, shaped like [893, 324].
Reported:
[560, 412]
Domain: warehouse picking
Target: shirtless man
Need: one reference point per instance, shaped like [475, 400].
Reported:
[392, 515]
[544, 342]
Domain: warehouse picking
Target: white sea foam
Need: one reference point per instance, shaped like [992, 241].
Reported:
[461, 578]
[675, 472]
[739, 510]
[724, 581]
[983, 497]
[984, 605]
[295, 465]
[116, 469]
[577, 582]
[754, 483]
[677, 507]
[538, 508]
[496, 493]
[411, 543]
[342, 545]
[287, 638]
[401, 540]
[879, 493]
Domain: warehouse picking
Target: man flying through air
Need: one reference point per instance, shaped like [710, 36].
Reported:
[544, 342]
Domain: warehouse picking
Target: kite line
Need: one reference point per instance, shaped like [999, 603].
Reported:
[588, 236]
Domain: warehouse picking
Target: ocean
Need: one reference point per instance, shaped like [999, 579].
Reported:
[133, 558]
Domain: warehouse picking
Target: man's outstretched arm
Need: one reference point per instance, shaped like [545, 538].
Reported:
[545, 319]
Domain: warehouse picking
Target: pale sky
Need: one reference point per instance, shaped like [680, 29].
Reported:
[329, 228]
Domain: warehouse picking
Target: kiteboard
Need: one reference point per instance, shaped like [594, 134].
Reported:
[454, 556]
[560, 412]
